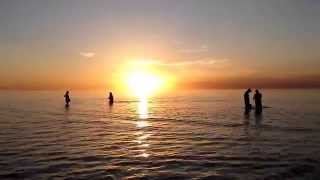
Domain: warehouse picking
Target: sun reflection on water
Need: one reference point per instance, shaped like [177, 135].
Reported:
[143, 109]
[141, 124]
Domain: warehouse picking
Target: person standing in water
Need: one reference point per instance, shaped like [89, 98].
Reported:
[258, 101]
[246, 97]
[67, 98]
[111, 99]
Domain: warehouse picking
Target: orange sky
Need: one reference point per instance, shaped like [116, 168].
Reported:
[207, 44]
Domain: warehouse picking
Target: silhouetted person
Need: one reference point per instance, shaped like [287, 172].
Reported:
[111, 99]
[258, 101]
[67, 98]
[247, 104]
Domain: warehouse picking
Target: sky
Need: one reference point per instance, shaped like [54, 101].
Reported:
[81, 44]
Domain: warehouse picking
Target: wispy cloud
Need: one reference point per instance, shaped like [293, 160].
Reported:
[191, 50]
[87, 54]
[184, 63]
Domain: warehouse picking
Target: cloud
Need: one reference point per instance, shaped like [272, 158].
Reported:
[87, 54]
[185, 63]
[201, 49]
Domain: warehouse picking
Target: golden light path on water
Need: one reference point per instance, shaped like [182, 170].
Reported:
[141, 124]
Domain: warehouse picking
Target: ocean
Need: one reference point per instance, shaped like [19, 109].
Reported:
[193, 135]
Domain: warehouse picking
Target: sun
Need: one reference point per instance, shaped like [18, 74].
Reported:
[142, 79]
[144, 84]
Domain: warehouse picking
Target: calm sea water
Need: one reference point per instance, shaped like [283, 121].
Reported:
[196, 135]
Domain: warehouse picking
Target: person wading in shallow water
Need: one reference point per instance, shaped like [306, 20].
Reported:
[111, 100]
[67, 98]
[258, 101]
[247, 104]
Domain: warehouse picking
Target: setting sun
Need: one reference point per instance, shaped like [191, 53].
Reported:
[143, 84]
[141, 79]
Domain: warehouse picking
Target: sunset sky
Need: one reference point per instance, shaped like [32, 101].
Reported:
[84, 44]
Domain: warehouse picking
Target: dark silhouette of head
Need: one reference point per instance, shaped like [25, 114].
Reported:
[257, 91]
[249, 90]
[67, 92]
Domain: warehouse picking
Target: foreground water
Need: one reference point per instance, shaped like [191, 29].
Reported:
[200, 135]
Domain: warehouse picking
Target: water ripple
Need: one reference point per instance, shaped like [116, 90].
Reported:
[193, 139]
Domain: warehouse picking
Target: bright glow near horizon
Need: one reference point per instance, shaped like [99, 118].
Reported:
[143, 84]
[142, 80]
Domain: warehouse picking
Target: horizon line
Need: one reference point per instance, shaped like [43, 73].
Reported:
[184, 89]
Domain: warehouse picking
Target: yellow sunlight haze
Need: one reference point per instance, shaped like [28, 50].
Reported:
[142, 79]
[143, 84]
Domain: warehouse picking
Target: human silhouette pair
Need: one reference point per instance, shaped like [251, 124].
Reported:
[257, 97]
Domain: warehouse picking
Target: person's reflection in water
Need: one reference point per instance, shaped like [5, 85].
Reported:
[246, 117]
[258, 118]
[66, 107]
[111, 98]
[67, 99]
[110, 107]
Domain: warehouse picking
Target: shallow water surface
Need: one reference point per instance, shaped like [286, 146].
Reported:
[200, 135]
